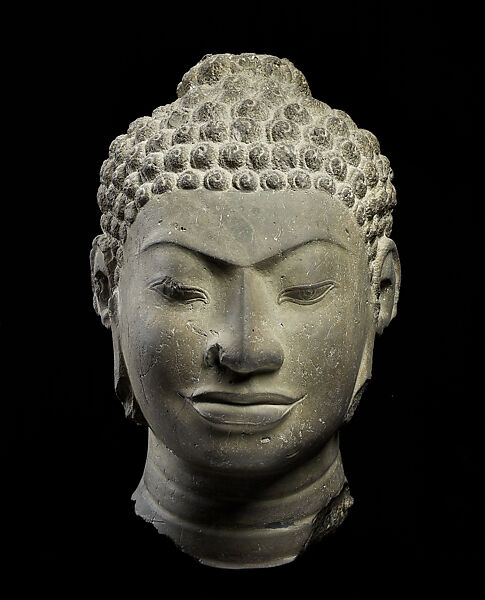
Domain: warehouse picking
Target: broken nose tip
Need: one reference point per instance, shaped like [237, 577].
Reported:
[212, 355]
[244, 362]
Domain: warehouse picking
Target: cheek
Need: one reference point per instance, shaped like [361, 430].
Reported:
[163, 348]
[331, 338]
[333, 345]
[343, 341]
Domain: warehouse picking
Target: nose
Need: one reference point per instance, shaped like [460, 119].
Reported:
[247, 345]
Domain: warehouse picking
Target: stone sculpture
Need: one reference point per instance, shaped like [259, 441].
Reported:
[244, 268]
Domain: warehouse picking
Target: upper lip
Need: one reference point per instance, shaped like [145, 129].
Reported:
[246, 398]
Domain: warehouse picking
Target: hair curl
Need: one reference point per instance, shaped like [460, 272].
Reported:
[244, 122]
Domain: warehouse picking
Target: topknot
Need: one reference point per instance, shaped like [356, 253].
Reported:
[231, 69]
[244, 122]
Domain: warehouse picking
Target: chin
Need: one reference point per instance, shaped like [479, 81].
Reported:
[242, 449]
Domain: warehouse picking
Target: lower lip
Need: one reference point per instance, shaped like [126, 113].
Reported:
[253, 415]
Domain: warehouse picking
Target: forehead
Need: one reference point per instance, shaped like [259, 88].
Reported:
[244, 228]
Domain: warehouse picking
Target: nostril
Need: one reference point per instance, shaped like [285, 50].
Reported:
[212, 355]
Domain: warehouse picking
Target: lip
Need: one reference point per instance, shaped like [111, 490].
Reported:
[246, 409]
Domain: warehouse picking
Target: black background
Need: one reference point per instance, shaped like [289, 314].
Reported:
[412, 452]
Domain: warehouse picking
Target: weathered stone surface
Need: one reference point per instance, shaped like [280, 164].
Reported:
[244, 269]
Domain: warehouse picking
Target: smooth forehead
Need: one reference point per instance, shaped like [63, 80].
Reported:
[244, 228]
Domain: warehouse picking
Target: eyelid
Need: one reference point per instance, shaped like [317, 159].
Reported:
[327, 284]
[179, 288]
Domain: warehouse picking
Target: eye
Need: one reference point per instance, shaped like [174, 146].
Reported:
[306, 294]
[173, 290]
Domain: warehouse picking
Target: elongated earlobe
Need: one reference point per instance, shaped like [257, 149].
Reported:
[123, 388]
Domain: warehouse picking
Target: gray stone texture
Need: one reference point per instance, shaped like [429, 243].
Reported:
[244, 269]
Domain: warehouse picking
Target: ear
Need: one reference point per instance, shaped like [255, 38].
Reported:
[106, 303]
[386, 282]
[101, 285]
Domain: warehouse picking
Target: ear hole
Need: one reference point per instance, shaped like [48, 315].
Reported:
[385, 285]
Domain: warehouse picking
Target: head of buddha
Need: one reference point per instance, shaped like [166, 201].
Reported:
[244, 269]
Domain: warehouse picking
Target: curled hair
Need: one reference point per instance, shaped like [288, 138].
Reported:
[243, 122]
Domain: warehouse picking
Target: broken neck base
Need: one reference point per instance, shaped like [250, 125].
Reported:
[241, 523]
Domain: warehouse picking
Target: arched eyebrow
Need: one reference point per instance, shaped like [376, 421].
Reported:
[225, 263]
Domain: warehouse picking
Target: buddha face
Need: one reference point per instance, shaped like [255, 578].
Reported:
[243, 319]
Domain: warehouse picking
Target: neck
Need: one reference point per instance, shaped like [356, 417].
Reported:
[238, 521]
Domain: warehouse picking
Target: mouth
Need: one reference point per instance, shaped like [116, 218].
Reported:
[247, 409]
